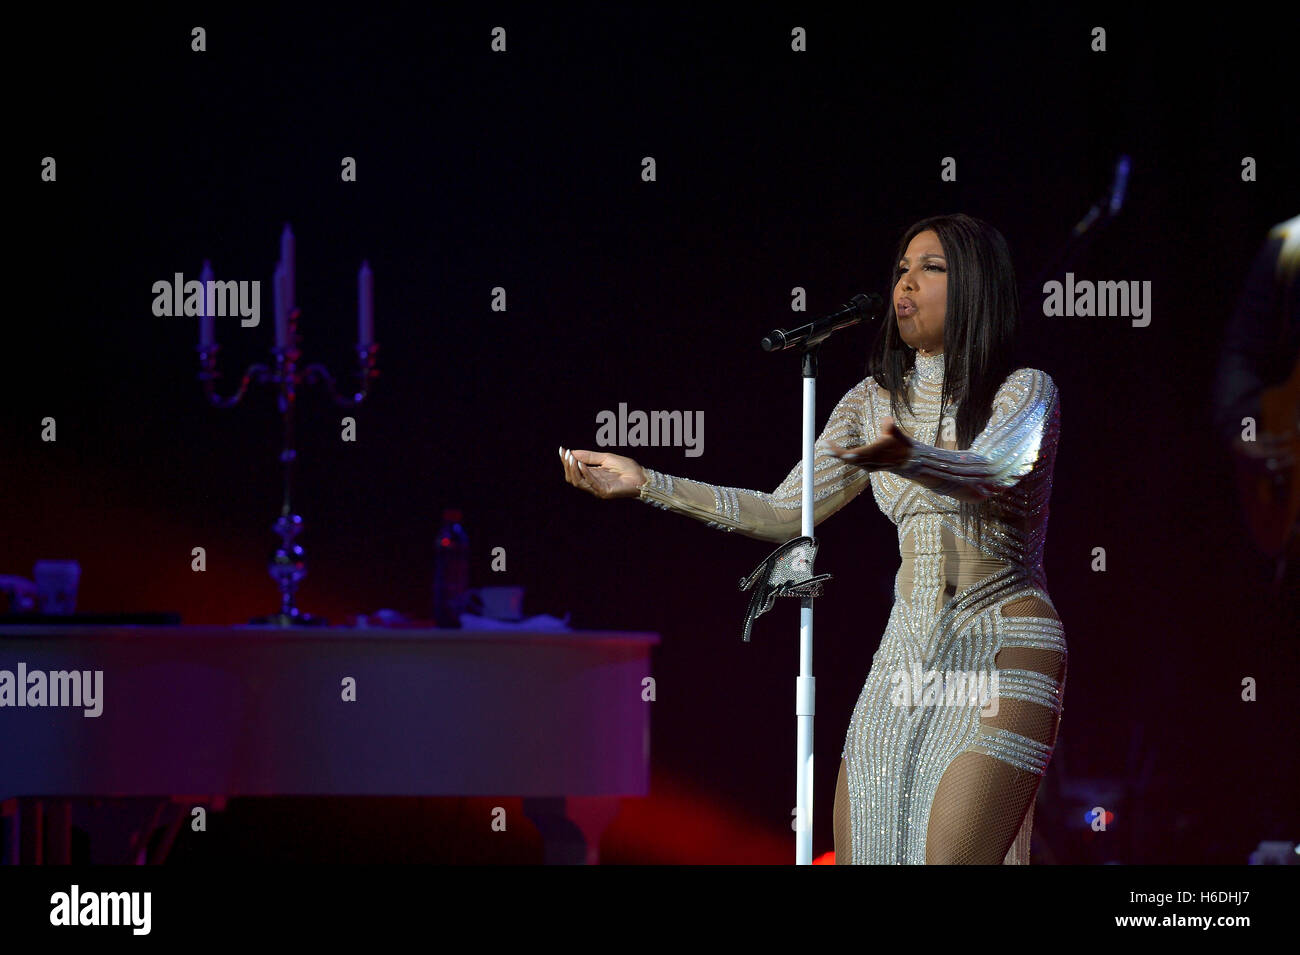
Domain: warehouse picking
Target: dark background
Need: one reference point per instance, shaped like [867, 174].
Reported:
[775, 169]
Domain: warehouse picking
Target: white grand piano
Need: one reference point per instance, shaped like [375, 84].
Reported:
[214, 712]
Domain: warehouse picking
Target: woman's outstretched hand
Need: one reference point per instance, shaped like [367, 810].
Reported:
[889, 450]
[605, 475]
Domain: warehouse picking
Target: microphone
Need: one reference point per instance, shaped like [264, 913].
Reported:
[1114, 200]
[814, 333]
[1120, 185]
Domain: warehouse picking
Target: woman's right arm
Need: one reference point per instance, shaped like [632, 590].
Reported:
[773, 516]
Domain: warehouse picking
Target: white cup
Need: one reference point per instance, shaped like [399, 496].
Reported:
[499, 603]
[56, 585]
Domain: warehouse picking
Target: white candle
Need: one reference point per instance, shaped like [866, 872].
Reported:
[287, 260]
[366, 301]
[207, 333]
[281, 313]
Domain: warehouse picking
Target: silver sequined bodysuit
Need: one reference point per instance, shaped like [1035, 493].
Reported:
[956, 606]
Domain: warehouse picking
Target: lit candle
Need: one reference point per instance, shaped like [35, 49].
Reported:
[366, 300]
[287, 260]
[281, 314]
[207, 333]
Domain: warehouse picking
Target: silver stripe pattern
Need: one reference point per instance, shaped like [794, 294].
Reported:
[731, 501]
[1034, 633]
[663, 483]
[660, 481]
[1020, 751]
[1030, 686]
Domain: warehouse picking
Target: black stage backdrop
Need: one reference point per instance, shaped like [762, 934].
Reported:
[774, 169]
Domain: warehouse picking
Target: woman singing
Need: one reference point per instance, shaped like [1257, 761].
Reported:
[958, 444]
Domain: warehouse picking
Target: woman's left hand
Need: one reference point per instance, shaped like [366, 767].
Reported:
[889, 450]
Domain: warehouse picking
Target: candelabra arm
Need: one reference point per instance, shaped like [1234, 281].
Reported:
[366, 372]
[208, 374]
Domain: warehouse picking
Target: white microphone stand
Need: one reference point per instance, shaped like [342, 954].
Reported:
[810, 337]
[805, 686]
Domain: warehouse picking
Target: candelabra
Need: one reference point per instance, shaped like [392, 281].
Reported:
[288, 565]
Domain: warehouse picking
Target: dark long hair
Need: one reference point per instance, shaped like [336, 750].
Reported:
[980, 341]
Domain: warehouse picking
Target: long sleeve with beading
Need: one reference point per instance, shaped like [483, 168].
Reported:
[1022, 430]
[775, 516]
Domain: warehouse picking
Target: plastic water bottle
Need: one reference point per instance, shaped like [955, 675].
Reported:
[450, 570]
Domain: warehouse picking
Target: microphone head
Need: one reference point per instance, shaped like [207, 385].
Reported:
[869, 305]
[1120, 184]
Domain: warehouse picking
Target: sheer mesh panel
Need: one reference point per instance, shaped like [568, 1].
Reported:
[982, 801]
[843, 844]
